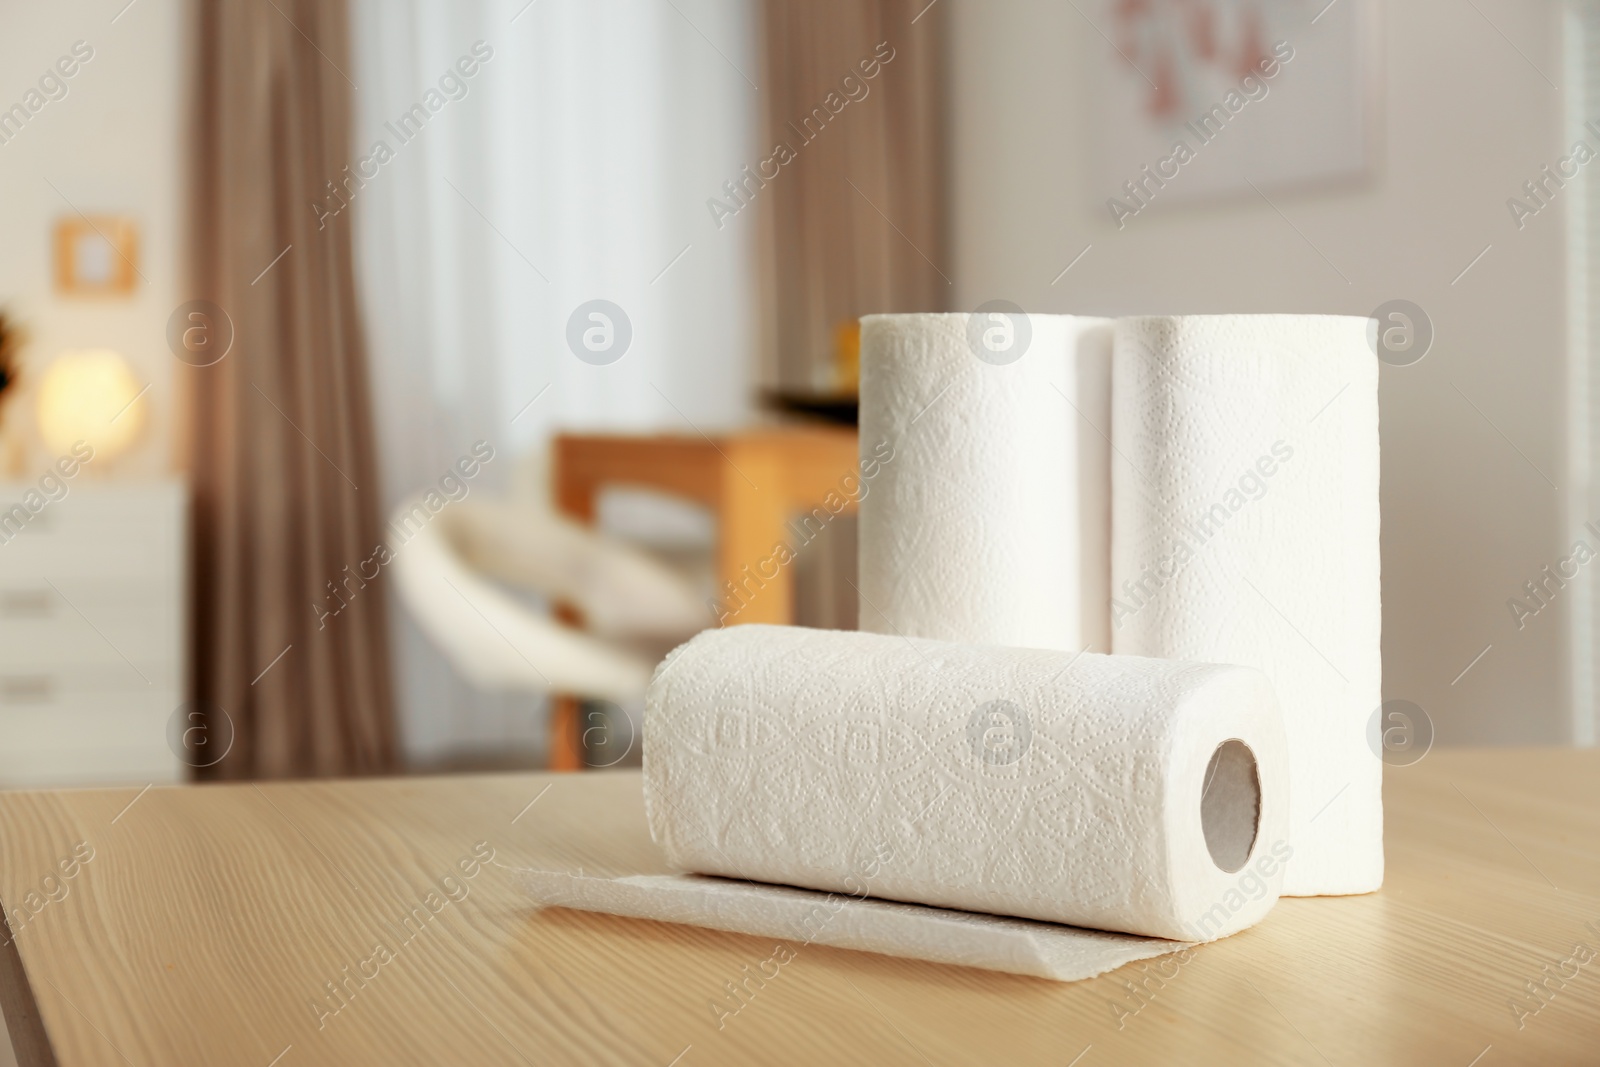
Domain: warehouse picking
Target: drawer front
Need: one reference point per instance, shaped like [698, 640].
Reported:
[72, 723]
[74, 622]
[38, 684]
[92, 603]
[99, 531]
[90, 505]
[107, 555]
[88, 767]
[85, 741]
[70, 640]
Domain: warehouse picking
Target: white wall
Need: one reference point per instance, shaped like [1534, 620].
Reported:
[112, 145]
[1464, 121]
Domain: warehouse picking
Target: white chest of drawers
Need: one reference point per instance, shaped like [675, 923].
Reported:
[92, 633]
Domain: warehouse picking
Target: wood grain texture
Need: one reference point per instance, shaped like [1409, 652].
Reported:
[209, 919]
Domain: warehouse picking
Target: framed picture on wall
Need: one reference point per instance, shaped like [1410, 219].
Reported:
[96, 255]
[1199, 100]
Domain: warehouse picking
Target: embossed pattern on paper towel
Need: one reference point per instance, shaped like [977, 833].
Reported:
[1072, 831]
[972, 533]
[1285, 579]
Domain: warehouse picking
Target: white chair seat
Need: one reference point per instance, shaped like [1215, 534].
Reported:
[447, 577]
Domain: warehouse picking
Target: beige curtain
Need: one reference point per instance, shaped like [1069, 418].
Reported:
[855, 223]
[289, 637]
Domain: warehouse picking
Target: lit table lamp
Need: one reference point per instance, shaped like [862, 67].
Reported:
[89, 396]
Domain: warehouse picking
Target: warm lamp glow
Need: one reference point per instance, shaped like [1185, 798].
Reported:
[88, 396]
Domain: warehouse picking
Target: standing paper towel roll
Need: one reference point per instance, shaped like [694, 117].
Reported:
[1111, 792]
[992, 523]
[1245, 530]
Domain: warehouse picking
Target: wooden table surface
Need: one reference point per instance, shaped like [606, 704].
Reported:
[209, 922]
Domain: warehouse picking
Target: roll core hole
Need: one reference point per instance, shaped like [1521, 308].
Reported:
[1230, 804]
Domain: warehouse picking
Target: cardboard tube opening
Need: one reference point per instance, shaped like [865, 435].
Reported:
[1230, 805]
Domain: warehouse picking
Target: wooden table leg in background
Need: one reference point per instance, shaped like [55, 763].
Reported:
[566, 748]
[575, 497]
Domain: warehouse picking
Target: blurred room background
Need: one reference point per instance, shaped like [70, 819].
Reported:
[389, 383]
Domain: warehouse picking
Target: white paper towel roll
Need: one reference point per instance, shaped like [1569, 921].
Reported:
[1245, 530]
[991, 524]
[1071, 788]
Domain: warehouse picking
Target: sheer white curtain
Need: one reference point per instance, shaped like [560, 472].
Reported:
[567, 157]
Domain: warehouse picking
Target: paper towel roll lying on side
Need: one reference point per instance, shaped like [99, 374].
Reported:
[992, 522]
[1109, 792]
[1245, 530]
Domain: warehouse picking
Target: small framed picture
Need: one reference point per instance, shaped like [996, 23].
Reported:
[1174, 75]
[96, 255]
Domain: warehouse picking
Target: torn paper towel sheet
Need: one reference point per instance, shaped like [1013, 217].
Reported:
[991, 524]
[1109, 792]
[1245, 530]
[909, 931]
